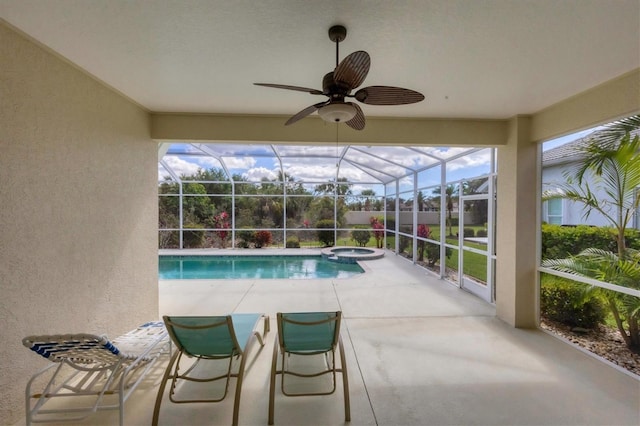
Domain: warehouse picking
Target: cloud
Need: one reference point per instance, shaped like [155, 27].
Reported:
[256, 174]
[243, 163]
[179, 166]
[312, 172]
[477, 159]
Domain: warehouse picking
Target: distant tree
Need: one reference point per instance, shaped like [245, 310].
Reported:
[450, 192]
[420, 201]
[340, 187]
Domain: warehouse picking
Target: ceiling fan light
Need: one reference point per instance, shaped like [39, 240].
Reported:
[337, 112]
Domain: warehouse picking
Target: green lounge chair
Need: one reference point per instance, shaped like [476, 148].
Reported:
[308, 333]
[210, 338]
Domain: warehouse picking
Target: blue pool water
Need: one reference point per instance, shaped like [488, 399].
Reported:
[266, 267]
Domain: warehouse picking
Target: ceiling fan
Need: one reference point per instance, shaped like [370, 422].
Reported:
[338, 84]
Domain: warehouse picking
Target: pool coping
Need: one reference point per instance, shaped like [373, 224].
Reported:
[242, 252]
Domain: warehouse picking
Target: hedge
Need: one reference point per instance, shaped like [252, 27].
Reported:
[565, 302]
[559, 242]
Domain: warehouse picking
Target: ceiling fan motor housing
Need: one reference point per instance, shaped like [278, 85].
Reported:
[334, 89]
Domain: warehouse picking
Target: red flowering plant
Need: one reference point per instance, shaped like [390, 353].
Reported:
[378, 230]
[423, 232]
[262, 239]
[221, 222]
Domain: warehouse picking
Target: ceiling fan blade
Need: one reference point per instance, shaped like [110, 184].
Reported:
[358, 121]
[388, 95]
[302, 114]
[297, 88]
[353, 69]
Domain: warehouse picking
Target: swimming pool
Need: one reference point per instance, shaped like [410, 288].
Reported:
[261, 267]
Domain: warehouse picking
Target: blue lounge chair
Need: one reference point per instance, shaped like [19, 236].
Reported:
[308, 333]
[209, 338]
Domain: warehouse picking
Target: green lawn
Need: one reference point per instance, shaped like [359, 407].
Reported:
[475, 265]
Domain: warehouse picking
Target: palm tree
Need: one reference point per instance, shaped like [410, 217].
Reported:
[613, 158]
[615, 166]
[607, 266]
[450, 191]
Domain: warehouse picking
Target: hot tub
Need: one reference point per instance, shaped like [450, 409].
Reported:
[351, 254]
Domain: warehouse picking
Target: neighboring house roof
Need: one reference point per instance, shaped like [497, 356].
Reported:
[566, 153]
[570, 152]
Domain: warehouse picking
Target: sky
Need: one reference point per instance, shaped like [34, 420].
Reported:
[314, 165]
[389, 162]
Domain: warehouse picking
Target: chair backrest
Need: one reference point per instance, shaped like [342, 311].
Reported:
[308, 332]
[77, 348]
[203, 336]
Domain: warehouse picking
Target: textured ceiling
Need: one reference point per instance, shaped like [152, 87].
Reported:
[470, 58]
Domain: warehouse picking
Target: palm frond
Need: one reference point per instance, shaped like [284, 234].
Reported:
[616, 130]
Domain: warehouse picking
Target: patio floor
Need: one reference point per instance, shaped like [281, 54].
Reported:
[419, 350]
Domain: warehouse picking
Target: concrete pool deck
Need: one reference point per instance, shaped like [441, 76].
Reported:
[420, 351]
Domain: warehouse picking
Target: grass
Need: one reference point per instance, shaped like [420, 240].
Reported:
[435, 233]
[475, 265]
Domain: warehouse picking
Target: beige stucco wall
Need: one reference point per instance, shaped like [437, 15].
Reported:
[78, 210]
[312, 130]
[516, 233]
[611, 100]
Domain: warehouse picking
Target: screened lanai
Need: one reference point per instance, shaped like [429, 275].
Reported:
[433, 206]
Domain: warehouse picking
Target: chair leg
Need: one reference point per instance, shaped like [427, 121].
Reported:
[345, 383]
[236, 402]
[272, 381]
[163, 384]
[240, 377]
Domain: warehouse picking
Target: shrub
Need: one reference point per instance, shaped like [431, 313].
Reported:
[168, 239]
[262, 238]
[193, 239]
[378, 230]
[481, 233]
[469, 232]
[423, 232]
[293, 242]
[564, 302]
[327, 238]
[361, 236]
[559, 242]
[403, 243]
[391, 223]
[432, 252]
[245, 237]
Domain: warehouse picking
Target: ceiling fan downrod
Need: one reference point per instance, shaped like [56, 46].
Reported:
[337, 33]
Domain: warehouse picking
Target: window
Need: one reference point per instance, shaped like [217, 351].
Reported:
[554, 211]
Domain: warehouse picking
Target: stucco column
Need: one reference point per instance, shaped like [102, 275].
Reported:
[516, 230]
